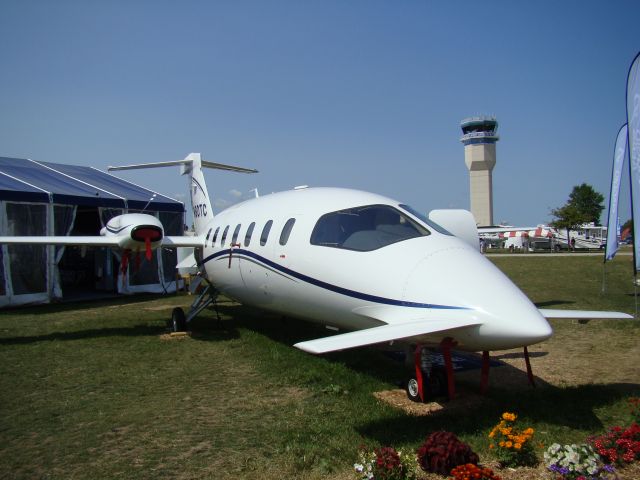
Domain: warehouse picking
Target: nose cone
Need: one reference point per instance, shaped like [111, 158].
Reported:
[459, 276]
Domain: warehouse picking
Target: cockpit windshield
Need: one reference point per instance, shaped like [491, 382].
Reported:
[437, 227]
[365, 228]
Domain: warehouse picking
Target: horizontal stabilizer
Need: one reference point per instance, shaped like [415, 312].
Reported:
[385, 333]
[203, 163]
[583, 314]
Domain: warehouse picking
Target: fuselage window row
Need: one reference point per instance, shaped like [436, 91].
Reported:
[264, 236]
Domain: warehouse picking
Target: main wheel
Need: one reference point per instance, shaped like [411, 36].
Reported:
[178, 322]
[412, 389]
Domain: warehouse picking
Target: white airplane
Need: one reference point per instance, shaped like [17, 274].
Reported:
[351, 260]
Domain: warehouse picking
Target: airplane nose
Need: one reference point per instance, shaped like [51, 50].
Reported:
[461, 277]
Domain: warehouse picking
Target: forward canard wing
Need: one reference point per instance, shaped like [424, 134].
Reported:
[384, 333]
[583, 314]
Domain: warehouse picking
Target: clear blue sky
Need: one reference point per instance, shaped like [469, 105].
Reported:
[363, 94]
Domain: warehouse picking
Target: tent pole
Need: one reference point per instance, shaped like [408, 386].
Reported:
[635, 292]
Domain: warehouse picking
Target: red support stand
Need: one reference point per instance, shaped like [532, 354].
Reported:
[417, 360]
[484, 379]
[446, 346]
[529, 371]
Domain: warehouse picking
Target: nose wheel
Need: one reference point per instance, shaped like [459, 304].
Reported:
[429, 380]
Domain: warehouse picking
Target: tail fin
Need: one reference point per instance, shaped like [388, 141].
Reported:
[192, 166]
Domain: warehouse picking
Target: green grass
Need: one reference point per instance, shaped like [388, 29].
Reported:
[96, 390]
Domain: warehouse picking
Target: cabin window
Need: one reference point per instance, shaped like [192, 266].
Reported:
[247, 236]
[224, 236]
[208, 235]
[265, 233]
[364, 229]
[286, 231]
[236, 232]
[215, 236]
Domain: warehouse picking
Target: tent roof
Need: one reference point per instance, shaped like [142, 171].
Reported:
[32, 181]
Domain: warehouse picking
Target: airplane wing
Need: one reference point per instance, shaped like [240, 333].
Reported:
[99, 241]
[504, 229]
[583, 314]
[384, 333]
[183, 241]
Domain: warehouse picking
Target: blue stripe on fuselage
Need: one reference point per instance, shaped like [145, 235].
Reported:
[327, 286]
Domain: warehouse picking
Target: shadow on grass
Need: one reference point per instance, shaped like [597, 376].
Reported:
[373, 361]
[213, 329]
[571, 407]
[519, 355]
[80, 305]
[289, 331]
[552, 303]
[205, 328]
[137, 330]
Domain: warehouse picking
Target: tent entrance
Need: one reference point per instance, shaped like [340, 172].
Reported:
[87, 269]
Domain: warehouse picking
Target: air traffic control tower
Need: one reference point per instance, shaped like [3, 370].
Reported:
[479, 139]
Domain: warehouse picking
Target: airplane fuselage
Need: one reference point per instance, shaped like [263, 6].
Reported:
[353, 260]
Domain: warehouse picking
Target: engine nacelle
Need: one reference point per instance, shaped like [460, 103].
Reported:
[135, 232]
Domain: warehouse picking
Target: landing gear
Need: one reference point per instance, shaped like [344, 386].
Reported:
[413, 390]
[433, 374]
[179, 320]
[434, 384]
[428, 379]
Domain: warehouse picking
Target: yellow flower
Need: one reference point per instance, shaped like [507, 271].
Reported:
[517, 446]
[510, 417]
[501, 444]
[508, 444]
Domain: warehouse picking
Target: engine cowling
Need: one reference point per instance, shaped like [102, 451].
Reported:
[135, 232]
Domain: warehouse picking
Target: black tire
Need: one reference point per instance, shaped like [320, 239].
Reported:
[411, 387]
[178, 322]
[437, 384]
